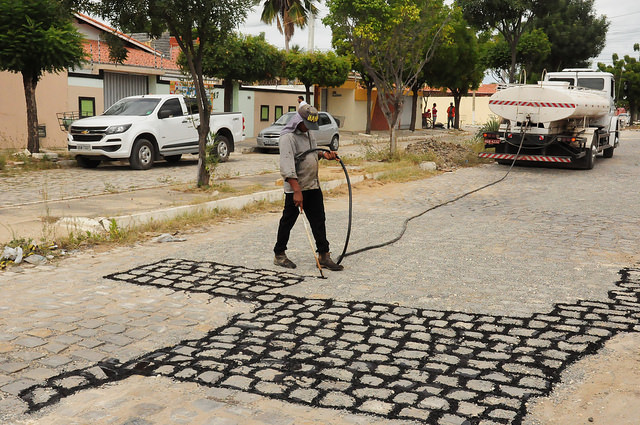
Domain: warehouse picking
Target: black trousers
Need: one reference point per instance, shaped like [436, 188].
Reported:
[313, 205]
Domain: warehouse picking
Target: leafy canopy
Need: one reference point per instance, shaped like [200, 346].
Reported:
[575, 32]
[246, 58]
[627, 74]
[324, 69]
[392, 39]
[37, 37]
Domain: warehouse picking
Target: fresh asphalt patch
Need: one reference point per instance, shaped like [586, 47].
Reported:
[379, 359]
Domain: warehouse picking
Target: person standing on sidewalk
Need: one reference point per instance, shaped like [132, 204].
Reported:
[301, 101]
[434, 114]
[302, 186]
[451, 114]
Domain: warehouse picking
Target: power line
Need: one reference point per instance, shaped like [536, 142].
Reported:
[622, 16]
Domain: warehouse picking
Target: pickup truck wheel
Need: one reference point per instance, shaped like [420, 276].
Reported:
[142, 155]
[335, 143]
[608, 152]
[85, 162]
[172, 158]
[221, 148]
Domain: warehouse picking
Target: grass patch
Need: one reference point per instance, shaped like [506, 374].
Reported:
[116, 235]
[12, 162]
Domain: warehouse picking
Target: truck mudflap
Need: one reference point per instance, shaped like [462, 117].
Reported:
[533, 158]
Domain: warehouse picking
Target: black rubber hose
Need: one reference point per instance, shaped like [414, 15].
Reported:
[346, 175]
[406, 221]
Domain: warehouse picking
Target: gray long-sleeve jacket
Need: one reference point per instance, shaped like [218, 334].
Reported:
[306, 170]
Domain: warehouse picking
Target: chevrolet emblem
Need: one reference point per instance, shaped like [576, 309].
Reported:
[84, 132]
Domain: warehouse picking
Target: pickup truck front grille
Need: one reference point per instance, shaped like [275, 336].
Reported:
[87, 134]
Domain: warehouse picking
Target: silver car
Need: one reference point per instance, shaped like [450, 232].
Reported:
[327, 135]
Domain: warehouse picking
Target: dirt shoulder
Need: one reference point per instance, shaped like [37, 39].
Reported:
[600, 389]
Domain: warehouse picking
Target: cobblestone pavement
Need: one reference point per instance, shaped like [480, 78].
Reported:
[66, 183]
[482, 305]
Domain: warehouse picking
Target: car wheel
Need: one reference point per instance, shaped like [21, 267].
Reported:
[172, 158]
[335, 143]
[221, 148]
[85, 162]
[142, 155]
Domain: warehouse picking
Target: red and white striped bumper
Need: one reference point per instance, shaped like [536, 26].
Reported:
[536, 158]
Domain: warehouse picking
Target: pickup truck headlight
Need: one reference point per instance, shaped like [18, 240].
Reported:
[114, 129]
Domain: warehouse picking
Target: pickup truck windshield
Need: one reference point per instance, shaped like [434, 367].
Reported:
[138, 106]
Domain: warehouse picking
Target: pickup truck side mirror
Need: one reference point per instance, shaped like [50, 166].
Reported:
[164, 113]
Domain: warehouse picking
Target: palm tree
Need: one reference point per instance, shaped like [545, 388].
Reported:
[288, 14]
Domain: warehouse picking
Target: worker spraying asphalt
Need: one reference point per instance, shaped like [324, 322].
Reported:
[302, 187]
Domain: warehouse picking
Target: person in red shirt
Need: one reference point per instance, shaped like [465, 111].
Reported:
[451, 114]
[434, 113]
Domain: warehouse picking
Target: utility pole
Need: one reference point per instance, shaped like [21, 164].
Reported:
[312, 31]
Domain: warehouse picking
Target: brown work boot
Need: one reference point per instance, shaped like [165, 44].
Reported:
[326, 261]
[282, 261]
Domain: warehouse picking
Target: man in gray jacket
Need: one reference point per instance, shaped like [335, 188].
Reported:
[302, 187]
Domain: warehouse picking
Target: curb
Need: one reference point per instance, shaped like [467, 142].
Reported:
[233, 203]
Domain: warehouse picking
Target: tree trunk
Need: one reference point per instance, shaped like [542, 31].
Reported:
[393, 127]
[204, 176]
[393, 139]
[369, 111]
[307, 94]
[414, 106]
[33, 141]
[456, 102]
[512, 68]
[227, 83]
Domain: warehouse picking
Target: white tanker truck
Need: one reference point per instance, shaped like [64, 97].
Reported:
[569, 117]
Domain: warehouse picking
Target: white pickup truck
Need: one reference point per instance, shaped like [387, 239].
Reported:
[143, 129]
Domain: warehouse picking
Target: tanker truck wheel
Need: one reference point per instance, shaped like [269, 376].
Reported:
[590, 157]
[608, 152]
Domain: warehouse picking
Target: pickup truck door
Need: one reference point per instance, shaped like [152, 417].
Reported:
[175, 129]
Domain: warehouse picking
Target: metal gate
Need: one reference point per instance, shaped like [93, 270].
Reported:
[117, 86]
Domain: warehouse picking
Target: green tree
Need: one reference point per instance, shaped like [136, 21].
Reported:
[195, 24]
[511, 18]
[245, 58]
[627, 74]
[343, 47]
[389, 38]
[532, 52]
[456, 63]
[37, 37]
[575, 32]
[324, 69]
[288, 14]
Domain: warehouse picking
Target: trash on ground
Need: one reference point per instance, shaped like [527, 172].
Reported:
[13, 254]
[167, 237]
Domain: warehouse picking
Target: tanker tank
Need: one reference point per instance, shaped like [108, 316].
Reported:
[549, 101]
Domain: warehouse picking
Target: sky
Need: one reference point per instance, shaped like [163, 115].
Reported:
[624, 29]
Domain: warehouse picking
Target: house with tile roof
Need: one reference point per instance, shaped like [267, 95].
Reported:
[348, 103]
[87, 90]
